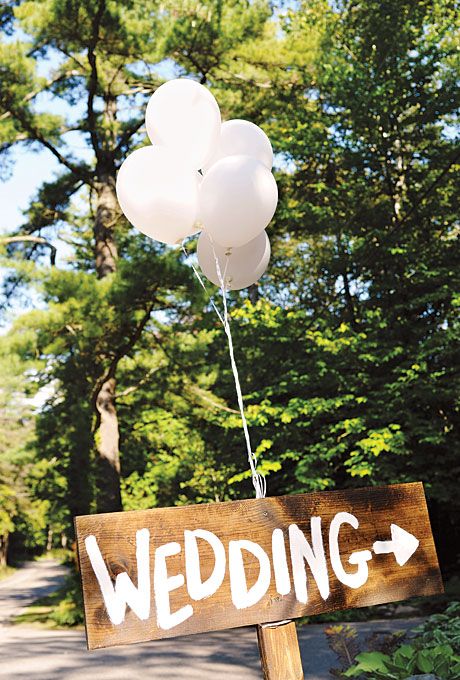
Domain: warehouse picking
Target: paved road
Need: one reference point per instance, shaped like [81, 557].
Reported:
[28, 652]
[33, 580]
[51, 655]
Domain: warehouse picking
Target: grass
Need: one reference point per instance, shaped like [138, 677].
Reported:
[6, 571]
[40, 612]
[65, 555]
[61, 609]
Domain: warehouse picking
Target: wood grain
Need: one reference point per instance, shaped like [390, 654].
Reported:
[279, 652]
[375, 507]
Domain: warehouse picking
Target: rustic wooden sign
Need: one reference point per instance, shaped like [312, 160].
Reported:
[174, 571]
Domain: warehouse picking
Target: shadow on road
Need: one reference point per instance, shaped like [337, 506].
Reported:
[40, 654]
[32, 581]
[49, 655]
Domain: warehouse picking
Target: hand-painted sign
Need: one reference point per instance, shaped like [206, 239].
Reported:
[173, 571]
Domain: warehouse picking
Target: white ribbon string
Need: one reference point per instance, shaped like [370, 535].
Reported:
[197, 274]
[258, 480]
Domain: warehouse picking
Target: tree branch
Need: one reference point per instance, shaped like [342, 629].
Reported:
[35, 134]
[198, 391]
[127, 134]
[35, 93]
[72, 57]
[123, 351]
[93, 79]
[32, 239]
[133, 388]
[426, 192]
[202, 395]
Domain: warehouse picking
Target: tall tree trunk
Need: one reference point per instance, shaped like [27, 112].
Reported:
[395, 172]
[49, 540]
[349, 301]
[400, 185]
[107, 447]
[253, 291]
[4, 540]
[106, 253]
[350, 307]
[107, 433]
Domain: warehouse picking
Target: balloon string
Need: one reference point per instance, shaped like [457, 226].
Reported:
[197, 274]
[259, 482]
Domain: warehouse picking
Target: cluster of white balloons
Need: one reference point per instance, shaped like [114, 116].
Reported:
[202, 175]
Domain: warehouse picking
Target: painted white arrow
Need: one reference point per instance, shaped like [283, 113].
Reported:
[402, 544]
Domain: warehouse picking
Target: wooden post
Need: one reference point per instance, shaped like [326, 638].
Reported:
[279, 651]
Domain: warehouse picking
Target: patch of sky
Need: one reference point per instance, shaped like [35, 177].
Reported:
[47, 102]
[451, 131]
[165, 69]
[43, 395]
[18, 35]
[283, 161]
[30, 170]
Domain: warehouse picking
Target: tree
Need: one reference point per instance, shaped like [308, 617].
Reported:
[366, 271]
[18, 506]
[347, 349]
[106, 61]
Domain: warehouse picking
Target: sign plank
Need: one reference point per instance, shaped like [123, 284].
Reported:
[174, 571]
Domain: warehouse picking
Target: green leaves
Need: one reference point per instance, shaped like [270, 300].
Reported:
[347, 350]
[433, 650]
[385, 440]
[439, 660]
[368, 662]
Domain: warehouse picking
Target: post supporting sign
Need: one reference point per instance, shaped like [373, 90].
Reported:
[165, 572]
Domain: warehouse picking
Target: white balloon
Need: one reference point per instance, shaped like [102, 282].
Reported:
[238, 197]
[243, 137]
[183, 115]
[239, 267]
[158, 193]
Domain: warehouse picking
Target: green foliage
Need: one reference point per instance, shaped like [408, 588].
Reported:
[440, 660]
[347, 350]
[68, 610]
[441, 629]
[342, 640]
[435, 648]
[61, 609]
[20, 509]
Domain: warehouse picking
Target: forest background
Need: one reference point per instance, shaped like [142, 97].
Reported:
[115, 384]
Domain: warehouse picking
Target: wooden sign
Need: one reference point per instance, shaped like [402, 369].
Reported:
[174, 571]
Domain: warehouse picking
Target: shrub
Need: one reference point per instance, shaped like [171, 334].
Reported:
[434, 649]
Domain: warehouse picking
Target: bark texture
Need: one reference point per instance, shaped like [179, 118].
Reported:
[107, 445]
[106, 253]
[4, 541]
[107, 432]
